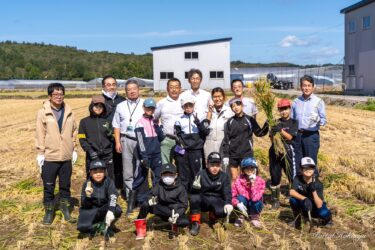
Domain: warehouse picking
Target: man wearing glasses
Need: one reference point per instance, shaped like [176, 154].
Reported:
[56, 132]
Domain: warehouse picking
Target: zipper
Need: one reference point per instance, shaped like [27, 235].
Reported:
[99, 136]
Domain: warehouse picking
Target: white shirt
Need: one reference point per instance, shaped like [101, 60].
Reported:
[127, 115]
[168, 111]
[202, 99]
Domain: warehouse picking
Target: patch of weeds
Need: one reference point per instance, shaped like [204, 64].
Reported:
[261, 156]
[4, 204]
[334, 178]
[369, 105]
[31, 207]
[28, 186]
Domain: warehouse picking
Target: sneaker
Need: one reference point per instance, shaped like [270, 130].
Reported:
[239, 221]
[256, 223]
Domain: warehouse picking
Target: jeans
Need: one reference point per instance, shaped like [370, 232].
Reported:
[254, 207]
[299, 206]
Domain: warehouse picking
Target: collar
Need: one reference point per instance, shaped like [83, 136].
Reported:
[171, 99]
[308, 98]
[194, 93]
[133, 102]
[110, 97]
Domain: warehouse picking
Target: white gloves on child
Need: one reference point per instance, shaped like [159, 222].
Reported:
[197, 182]
[89, 190]
[40, 161]
[228, 209]
[153, 201]
[173, 218]
[243, 209]
[226, 161]
[109, 218]
[74, 157]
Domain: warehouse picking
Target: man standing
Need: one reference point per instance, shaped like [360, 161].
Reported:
[168, 110]
[56, 132]
[309, 111]
[202, 97]
[125, 118]
[249, 106]
[112, 99]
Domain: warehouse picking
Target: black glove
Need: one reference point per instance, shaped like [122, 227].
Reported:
[145, 163]
[196, 120]
[307, 204]
[93, 155]
[311, 187]
[276, 129]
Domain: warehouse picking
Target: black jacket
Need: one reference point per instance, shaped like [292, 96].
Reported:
[111, 104]
[238, 136]
[301, 187]
[105, 193]
[95, 134]
[217, 186]
[174, 196]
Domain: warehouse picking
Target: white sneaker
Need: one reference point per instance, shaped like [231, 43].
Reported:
[239, 221]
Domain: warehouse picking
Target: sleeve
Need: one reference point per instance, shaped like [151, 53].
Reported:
[235, 193]
[140, 135]
[74, 133]
[178, 132]
[82, 137]
[86, 202]
[293, 129]
[116, 122]
[295, 184]
[259, 132]
[319, 190]
[112, 193]
[322, 113]
[182, 201]
[40, 134]
[154, 190]
[225, 142]
[159, 132]
[227, 192]
[257, 190]
[204, 127]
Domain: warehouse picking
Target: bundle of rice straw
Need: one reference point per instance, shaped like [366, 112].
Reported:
[265, 101]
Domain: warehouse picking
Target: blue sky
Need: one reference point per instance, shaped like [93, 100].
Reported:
[297, 31]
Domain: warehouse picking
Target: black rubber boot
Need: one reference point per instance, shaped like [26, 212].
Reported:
[49, 215]
[275, 196]
[297, 220]
[195, 227]
[131, 202]
[65, 209]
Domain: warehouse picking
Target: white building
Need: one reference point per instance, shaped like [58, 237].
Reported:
[359, 73]
[212, 57]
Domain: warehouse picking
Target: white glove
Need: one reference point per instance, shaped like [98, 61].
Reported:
[228, 209]
[74, 157]
[40, 161]
[153, 201]
[197, 182]
[173, 218]
[109, 218]
[226, 161]
[89, 190]
[243, 209]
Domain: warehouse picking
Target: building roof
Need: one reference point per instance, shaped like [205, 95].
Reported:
[192, 43]
[356, 6]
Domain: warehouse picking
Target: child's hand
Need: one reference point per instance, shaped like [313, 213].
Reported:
[89, 190]
[243, 209]
[197, 182]
[109, 218]
[153, 201]
[173, 218]
[228, 208]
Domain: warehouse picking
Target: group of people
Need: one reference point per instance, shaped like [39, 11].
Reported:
[197, 145]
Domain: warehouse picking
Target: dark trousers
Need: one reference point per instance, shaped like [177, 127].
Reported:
[163, 212]
[279, 163]
[108, 159]
[188, 166]
[88, 217]
[253, 207]
[199, 202]
[307, 145]
[141, 173]
[50, 171]
[117, 168]
[298, 206]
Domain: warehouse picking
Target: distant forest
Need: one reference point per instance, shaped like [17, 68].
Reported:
[46, 61]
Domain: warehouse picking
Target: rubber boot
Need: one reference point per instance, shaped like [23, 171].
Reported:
[297, 219]
[195, 224]
[275, 195]
[131, 202]
[65, 209]
[212, 217]
[49, 215]
[140, 228]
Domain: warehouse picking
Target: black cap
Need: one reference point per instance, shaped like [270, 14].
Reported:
[168, 168]
[97, 164]
[214, 157]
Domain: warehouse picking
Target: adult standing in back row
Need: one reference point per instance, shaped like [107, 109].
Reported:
[309, 111]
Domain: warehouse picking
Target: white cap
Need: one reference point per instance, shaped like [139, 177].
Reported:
[307, 162]
[188, 99]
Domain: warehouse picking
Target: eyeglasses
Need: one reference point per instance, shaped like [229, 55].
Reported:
[110, 84]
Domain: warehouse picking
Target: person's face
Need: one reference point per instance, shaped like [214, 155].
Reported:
[249, 170]
[174, 89]
[167, 174]
[308, 171]
[307, 88]
[57, 97]
[284, 112]
[214, 168]
[132, 91]
[149, 110]
[237, 108]
[98, 108]
[218, 99]
[97, 174]
[195, 81]
[110, 85]
[188, 108]
[237, 88]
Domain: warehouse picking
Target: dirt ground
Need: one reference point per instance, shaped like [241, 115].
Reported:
[346, 160]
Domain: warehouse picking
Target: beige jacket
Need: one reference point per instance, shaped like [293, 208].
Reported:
[55, 146]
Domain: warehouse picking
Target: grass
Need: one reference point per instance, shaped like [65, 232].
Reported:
[369, 105]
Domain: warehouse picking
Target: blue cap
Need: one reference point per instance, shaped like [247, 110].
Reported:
[149, 103]
[249, 162]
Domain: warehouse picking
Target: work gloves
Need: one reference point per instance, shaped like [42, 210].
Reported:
[243, 209]
[173, 218]
[197, 182]
[226, 161]
[153, 201]
[40, 161]
[311, 187]
[109, 218]
[74, 157]
[228, 209]
[89, 190]
[196, 120]
[276, 129]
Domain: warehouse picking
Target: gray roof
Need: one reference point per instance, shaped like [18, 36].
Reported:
[192, 43]
[356, 6]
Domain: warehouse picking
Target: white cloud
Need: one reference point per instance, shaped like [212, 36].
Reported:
[291, 41]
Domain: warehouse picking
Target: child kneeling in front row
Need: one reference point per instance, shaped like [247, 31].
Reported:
[99, 207]
[247, 193]
[168, 200]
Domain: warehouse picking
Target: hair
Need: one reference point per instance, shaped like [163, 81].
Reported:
[55, 86]
[173, 80]
[218, 89]
[131, 81]
[107, 77]
[236, 80]
[194, 71]
[306, 78]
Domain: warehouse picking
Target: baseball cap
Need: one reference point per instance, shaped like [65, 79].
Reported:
[235, 100]
[283, 103]
[214, 157]
[188, 99]
[168, 168]
[307, 162]
[149, 103]
[249, 162]
[97, 164]
[97, 99]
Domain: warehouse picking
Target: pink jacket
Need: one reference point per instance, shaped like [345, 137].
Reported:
[253, 192]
